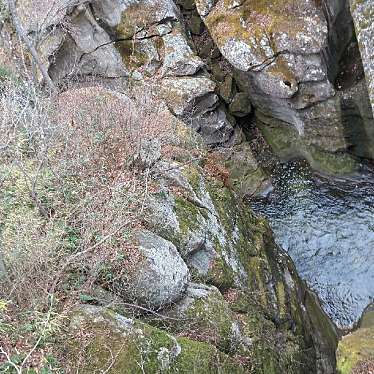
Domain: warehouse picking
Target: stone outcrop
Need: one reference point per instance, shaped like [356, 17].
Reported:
[363, 16]
[289, 66]
[253, 56]
[288, 71]
[125, 345]
[143, 41]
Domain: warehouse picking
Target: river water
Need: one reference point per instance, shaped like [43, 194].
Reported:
[327, 227]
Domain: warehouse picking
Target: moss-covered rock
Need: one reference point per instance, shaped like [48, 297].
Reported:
[287, 144]
[225, 245]
[356, 350]
[278, 63]
[240, 105]
[118, 344]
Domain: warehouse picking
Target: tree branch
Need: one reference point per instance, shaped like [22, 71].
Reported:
[22, 35]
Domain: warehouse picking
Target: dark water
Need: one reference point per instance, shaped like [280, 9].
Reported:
[327, 227]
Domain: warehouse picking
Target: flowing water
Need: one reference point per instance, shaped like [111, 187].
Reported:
[327, 227]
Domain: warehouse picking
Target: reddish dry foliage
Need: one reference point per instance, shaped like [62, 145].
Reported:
[364, 367]
[231, 295]
[214, 167]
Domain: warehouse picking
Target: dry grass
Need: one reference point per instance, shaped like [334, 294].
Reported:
[71, 199]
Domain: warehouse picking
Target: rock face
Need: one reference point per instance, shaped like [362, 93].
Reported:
[136, 347]
[363, 16]
[288, 66]
[289, 69]
[145, 41]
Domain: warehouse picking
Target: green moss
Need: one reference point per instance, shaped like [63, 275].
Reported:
[194, 177]
[355, 348]
[272, 355]
[286, 144]
[214, 319]
[332, 163]
[139, 348]
[281, 296]
[198, 357]
[187, 214]
[132, 55]
[367, 320]
[320, 321]
[220, 273]
[282, 138]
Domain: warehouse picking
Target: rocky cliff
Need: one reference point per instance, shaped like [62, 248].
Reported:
[363, 13]
[297, 65]
[224, 296]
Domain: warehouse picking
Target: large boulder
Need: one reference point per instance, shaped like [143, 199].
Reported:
[162, 276]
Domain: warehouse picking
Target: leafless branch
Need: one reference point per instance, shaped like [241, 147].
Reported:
[23, 36]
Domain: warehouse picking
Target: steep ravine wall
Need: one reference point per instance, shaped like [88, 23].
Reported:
[227, 58]
[363, 15]
[290, 67]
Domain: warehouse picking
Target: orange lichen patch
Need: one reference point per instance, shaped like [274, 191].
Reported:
[255, 19]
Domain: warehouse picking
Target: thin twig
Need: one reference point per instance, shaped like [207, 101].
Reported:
[79, 254]
[9, 360]
[23, 36]
[41, 335]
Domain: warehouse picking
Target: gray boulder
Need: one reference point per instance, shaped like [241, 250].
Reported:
[163, 276]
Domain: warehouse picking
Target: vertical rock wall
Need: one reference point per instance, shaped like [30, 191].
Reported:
[363, 17]
[287, 56]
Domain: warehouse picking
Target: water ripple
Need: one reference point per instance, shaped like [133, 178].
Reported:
[327, 227]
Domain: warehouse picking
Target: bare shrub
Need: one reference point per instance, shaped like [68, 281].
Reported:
[71, 197]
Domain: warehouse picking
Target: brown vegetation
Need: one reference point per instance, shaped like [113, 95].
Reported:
[71, 198]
